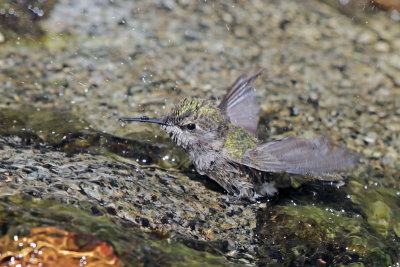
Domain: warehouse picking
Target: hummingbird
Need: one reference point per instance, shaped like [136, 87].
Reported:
[221, 142]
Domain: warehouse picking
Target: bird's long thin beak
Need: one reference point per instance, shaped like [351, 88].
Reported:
[143, 119]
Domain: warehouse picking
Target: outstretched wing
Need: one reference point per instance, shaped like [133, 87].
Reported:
[240, 103]
[315, 157]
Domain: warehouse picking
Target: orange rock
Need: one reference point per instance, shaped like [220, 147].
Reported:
[49, 246]
[389, 4]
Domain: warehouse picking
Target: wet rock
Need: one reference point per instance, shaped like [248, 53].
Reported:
[382, 46]
[367, 37]
[326, 234]
[126, 192]
[51, 246]
[380, 217]
[100, 240]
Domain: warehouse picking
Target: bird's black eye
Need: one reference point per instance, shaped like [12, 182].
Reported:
[191, 126]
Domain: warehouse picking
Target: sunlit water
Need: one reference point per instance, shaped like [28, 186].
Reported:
[66, 162]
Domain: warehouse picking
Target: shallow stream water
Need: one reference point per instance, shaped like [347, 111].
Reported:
[71, 174]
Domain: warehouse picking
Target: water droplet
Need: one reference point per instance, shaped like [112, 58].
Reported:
[395, 15]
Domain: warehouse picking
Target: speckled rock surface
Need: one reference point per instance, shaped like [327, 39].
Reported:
[156, 200]
[325, 74]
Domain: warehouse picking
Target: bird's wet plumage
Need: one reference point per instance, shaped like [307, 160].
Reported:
[220, 140]
[194, 109]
